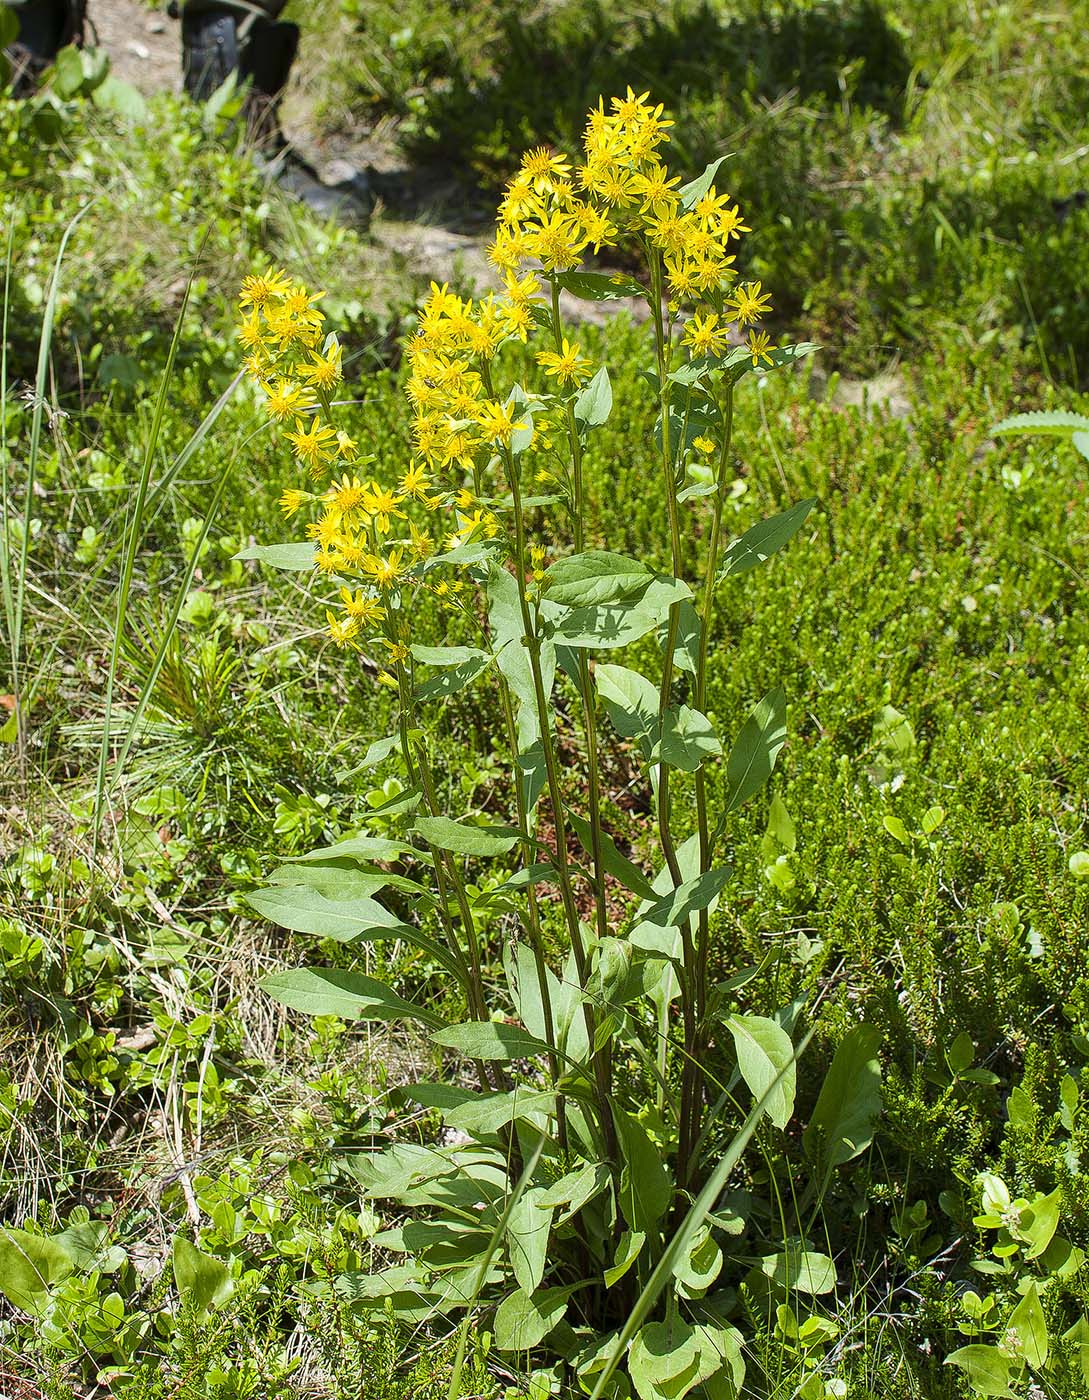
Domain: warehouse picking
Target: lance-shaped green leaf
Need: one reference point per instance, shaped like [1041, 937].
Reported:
[627, 1252]
[596, 576]
[678, 906]
[616, 864]
[763, 540]
[595, 401]
[849, 1102]
[292, 558]
[491, 1112]
[646, 1189]
[528, 1229]
[360, 847]
[599, 286]
[377, 753]
[490, 1040]
[466, 839]
[752, 758]
[765, 1057]
[691, 194]
[1028, 1323]
[453, 679]
[740, 359]
[327, 991]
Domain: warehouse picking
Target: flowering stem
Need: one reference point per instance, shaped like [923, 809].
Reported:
[691, 1078]
[532, 643]
[588, 710]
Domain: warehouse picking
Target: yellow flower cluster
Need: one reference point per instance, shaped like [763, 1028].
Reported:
[362, 533]
[551, 216]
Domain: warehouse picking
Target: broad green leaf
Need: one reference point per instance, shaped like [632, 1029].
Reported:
[465, 839]
[523, 1321]
[988, 1369]
[303, 910]
[765, 1057]
[1078, 1337]
[627, 1252]
[667, 1359]
[1081, 442]
[630, 699]
[599, 286]
[752, 758]
[608, 625]
[763, 540]
[696, 1271]
[616, 864]
[1058, 423]
[595, 401]
[1039, 1221]
[528, 1229]
[320, 991]
[487, 1114]
[1028, 1323]
[645, 1186]
[800, 1270]
[29, 1266]
[490, 1040]
[849, 1102]
[597, 576]
[292, 558]
[575, 1189]
[691, 194]
[688, 739]
[202, 1281]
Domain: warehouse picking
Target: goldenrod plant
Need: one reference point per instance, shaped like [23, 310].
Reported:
[591, 1106]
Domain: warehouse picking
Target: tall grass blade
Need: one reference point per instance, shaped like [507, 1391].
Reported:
[44, 344]
[133, 533]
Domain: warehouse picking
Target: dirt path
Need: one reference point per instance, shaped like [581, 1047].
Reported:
[143, 44]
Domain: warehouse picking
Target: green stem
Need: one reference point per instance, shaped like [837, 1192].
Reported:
[692, 1078]
[589, 715]
[532, 643]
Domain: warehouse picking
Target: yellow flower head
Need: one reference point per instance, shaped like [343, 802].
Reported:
[541, 168]
[748, 303]
[312, 444]
[363, 607]
[346, 494]
[343, 630]
[568, 364]
[287, 399]
[291, 501]
[258, 291]
[759, 344]
[705, 336]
